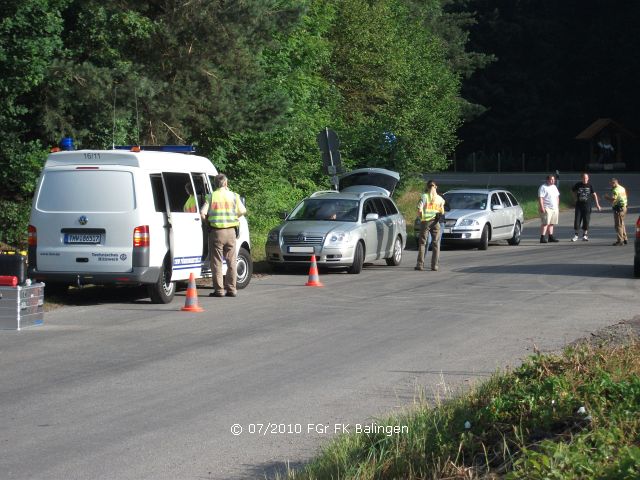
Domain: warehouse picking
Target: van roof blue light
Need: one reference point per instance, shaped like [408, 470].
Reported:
[67, 144]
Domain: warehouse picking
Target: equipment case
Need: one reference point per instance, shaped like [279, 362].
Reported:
[21, 306]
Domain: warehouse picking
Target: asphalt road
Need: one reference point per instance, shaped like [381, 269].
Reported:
[116, 388]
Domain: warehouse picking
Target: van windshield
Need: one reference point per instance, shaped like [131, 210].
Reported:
[86, 191]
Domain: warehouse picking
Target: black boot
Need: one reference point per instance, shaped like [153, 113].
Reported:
[553, 239]
[543, 239]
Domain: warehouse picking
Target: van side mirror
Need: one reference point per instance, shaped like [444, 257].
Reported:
[371, 216]
[283, 215]
[496, 207]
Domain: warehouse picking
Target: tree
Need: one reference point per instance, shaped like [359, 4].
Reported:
[29, 38]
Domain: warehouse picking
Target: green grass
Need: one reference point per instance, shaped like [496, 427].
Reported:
[565, 416]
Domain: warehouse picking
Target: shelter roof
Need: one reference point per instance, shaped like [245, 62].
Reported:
[600, 124]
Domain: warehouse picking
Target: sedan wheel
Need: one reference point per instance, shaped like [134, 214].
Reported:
[396, 259]
[484, 239]
[517, 232]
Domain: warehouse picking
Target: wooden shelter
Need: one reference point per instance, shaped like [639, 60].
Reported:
[605, 137]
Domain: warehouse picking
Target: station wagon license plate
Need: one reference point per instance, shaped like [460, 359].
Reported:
[89, 239]
[301, 250]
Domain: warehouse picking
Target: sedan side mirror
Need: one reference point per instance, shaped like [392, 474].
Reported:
[283, 215]
[497, 207]
[371, 216]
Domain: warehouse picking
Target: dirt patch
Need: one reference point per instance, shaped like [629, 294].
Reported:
[622, 333]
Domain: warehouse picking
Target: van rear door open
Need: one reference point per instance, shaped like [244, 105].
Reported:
[185, 227]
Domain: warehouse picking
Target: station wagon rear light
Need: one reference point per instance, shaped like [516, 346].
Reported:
[638, 228]
[141, 236]
[32, 236]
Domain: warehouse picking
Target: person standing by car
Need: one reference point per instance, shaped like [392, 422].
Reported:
[618, 199]
[583, 192]
[222, 210]
[430, 209]
[548, 205]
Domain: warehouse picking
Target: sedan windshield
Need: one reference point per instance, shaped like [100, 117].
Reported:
[330, 209]
[466, 201]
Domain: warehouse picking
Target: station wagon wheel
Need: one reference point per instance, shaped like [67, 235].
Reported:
[358, 259]
[395, 260]
[484, 238]
[244, 268]
[517, 232]
[164, 289]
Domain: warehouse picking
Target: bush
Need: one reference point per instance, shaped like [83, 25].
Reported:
[14, 219]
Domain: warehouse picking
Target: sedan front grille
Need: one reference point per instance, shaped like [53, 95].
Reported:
[303, 240]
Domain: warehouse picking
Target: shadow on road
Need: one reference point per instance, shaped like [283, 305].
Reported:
[571, 269]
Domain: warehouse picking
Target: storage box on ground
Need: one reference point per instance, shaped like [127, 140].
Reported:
[21, 307]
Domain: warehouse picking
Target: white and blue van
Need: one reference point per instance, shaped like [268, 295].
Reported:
[118, 217]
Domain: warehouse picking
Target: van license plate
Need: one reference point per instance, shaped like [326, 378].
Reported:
[90, 239]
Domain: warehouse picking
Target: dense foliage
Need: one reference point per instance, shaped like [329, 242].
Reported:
[249, 83]
[559, 67]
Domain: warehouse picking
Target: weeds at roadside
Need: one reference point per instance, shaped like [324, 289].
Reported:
[565, 416]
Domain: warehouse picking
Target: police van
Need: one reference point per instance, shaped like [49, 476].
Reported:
[125, 216]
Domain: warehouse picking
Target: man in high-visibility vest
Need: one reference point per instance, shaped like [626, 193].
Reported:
[222, 211]
[190, 205]
[618, 199]
[430, 209]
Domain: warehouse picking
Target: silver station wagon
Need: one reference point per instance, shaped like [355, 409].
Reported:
[346, 228]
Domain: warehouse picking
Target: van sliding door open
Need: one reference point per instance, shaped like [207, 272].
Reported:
[185, 226]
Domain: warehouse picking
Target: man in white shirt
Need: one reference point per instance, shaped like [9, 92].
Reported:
[548, 205]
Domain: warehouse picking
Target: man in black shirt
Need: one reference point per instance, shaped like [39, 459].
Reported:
[583, 191]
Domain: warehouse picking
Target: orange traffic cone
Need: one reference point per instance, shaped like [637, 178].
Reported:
[191, 300]
[314, 279]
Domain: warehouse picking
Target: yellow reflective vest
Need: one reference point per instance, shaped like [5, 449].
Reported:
[224, 206]
[430, 207]
[190, 205]
[619, 196]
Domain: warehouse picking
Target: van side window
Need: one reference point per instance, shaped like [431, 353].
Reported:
[201, 187]
[158, 193]
[175, 184]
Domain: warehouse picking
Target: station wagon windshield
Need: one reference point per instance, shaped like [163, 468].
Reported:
[466, 201]
[326, 209]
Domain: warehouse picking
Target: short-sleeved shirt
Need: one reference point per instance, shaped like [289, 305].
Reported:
[550, 196]
[583, 191]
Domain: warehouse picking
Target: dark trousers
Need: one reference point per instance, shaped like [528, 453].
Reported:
[431, 228]
[582, 216]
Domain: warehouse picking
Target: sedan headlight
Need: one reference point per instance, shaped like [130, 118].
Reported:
[273, 236]
[338, 238]
[468, 222]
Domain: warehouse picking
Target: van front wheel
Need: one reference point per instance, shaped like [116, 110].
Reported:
[164, 289]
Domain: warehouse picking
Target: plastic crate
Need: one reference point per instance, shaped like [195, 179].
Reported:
[21, 306]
